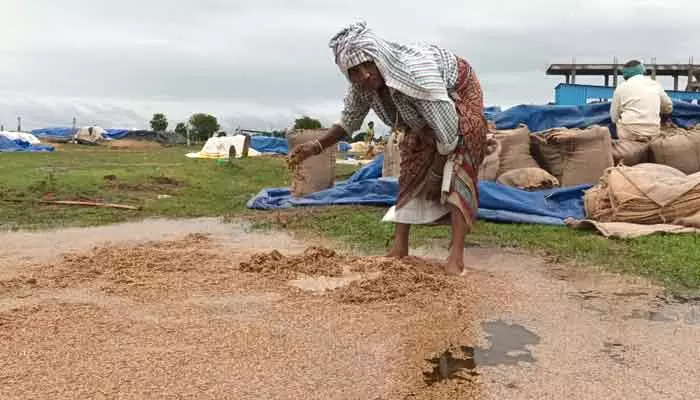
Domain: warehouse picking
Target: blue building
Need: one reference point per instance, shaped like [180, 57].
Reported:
[567, 94]
[571, 94]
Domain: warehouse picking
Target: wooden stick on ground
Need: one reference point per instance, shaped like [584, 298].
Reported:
[89, 203]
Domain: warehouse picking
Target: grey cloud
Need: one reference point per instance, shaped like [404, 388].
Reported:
[261, 64]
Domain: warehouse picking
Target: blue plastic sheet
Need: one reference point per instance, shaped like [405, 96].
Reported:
[116, 133]
[490, 112]
[497, 202]
[543, 117]
[344, 147]
[372, 170]
[53, 133]
[67, 133]
[686, 114]
[269, 145]
[14, 146]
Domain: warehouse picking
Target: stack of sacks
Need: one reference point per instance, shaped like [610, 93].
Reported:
[678, 148]
[630, 152]
[574, 156]
[556, 157]
[529, 179]
[509, 161]
[644, 194]
[488, 171]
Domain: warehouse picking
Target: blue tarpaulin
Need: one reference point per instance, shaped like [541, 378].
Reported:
[67, 133]
[267, 144]
[116, 133]
[13, 146]
[543, 117]
[497, 202]
[53, 133]
[490, 112]
[344, 147]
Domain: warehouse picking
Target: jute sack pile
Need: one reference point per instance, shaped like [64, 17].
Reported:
[630, 152]
[529, 179]
[515, 149]
[692, 221]
[574, 156]
[488, 171]
[392, 155]
[316, 172]
[644, 194]
[678, 148]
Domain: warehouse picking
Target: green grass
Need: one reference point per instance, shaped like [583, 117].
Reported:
[206, 188]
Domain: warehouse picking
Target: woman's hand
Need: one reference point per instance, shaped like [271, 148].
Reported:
[305, 150]
[301, 152]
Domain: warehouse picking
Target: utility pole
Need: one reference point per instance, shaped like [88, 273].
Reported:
[19, 124]
[188, 137]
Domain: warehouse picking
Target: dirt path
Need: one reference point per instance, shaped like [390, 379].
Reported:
[176, 318]
[577, 333]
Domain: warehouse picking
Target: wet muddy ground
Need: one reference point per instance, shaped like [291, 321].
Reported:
[199, 309]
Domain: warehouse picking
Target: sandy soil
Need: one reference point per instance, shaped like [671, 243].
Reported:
[204, 310]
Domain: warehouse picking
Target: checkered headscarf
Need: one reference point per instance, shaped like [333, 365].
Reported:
[412, 70]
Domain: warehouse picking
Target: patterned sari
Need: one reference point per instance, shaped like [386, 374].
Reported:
[422, 167]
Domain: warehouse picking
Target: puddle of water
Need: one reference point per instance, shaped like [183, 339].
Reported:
[507, 344]
[449, 367]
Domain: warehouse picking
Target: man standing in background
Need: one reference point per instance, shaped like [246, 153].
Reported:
[639, 104]
[369, 138]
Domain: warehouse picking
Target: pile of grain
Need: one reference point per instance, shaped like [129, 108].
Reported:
[383, 279]
[315, 261]
[147, 271]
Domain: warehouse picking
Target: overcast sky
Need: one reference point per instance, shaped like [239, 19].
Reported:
[259, 65]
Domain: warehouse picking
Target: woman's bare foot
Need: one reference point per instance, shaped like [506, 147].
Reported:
[397, 252]
[454, 266]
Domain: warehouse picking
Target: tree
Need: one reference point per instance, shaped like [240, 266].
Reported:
[203, 126]
[360, 137]
[181, 129]
[278, 134]
[306, 122]
[159, 123]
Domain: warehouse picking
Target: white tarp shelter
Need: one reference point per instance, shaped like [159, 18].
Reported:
[92, 134]
[218, 147]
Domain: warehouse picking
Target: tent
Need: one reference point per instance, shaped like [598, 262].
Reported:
[90, 134]
[218, 147]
